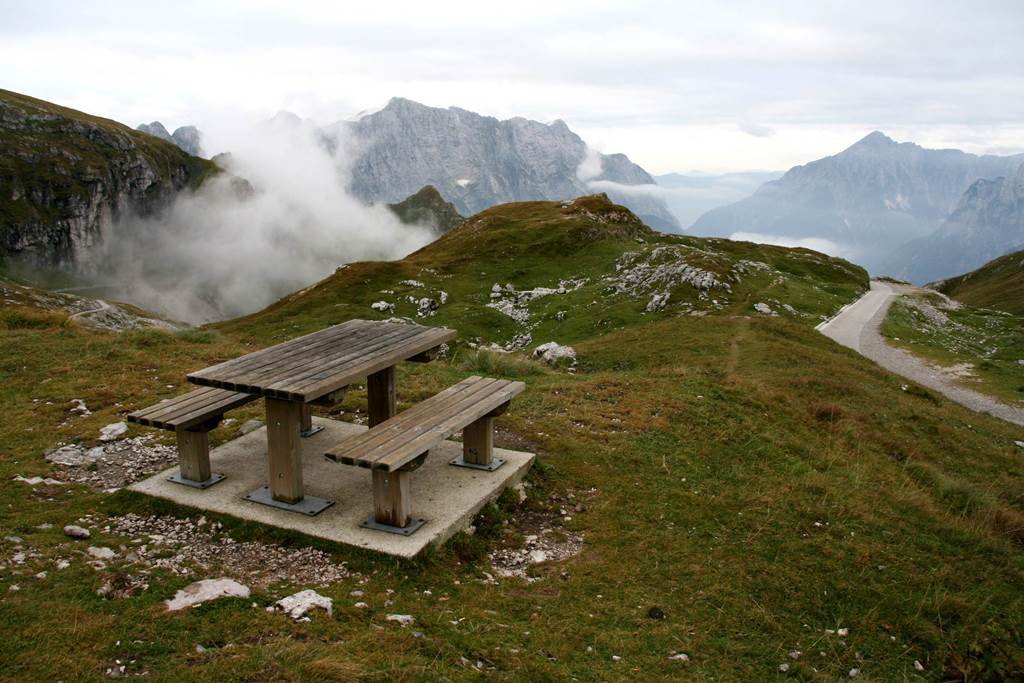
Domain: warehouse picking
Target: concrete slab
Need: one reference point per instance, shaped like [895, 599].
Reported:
[447, 497]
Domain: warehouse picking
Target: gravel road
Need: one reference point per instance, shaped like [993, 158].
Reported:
[857, 327]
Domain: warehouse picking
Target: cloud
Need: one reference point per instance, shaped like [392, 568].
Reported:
[816, 243]
[219, 253]
[591, 166]
[755, 129]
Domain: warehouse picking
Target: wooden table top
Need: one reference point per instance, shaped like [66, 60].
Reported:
[308, 367]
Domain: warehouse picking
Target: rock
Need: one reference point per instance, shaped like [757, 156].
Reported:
[34, 481]
[113, 431]
[403, 619]
[62, 564]
[70, 456]
[1020, 444]
[763, 309]
[795, 654]
[76, 531]
[361, 605]
[14, 539]
[205, 590]
[249, 426]
[443, 296]
[538, 556]
[383, 307]
[783, 667]
[426, 307]
[101, 553]
[297, 604]
[616, 658]
[918, 666]
[411, 283]
[552, 352]
[657, 302]
[79, 408]
[356, 594]
[854, 673]
[679, 657]
[656, 613]
[843, 632]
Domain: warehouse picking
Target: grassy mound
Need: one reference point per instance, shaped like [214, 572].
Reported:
[998, 284]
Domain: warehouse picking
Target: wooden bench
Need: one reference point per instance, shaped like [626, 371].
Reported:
[399, 445]
[191, 416]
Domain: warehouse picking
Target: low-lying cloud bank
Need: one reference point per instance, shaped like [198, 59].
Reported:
[228, 249]
[816, 243]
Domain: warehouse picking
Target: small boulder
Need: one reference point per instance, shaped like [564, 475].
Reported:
[71, 455]
[763, 309]
[383, 307]
[553, 352]
[73, 531]
[205, 590]
[403, 619]
[113, 431]
[297, 604]
[101, 553]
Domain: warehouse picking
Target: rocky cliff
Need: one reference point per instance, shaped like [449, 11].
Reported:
[478, 161]
[987, 222]
[870, 198]
[65, 177]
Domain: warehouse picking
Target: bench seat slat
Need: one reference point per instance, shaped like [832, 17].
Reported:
[191, 409]
[399, 440]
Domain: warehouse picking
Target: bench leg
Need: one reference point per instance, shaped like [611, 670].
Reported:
[380, 396]
[194, 459]
[283, 420]
[478, 441]
[194, 455]
[478, 446]
[392, 498]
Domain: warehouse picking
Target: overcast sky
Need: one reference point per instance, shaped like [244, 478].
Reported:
[677, 86]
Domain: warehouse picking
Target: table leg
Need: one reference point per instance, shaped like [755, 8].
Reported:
[380, 396]
[283, 425]
[306, 428]
[284, 459]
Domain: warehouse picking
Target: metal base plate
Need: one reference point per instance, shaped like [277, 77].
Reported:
[414, 524]
[311, 431]
[214, 478]
[309, 505]
[493, 465]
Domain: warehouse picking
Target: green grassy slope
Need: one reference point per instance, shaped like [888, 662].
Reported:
[998, 284]
[757, 483]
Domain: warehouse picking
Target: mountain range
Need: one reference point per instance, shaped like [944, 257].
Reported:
[477, 161]
[868, 200]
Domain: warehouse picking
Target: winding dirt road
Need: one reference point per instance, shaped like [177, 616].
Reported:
[857, 327]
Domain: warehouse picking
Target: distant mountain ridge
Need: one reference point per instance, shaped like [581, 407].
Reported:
[987, 222]
[477, 161]
[427, 207]
[871, 198]
[188, 138]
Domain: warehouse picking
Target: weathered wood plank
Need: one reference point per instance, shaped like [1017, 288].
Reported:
[187, 411]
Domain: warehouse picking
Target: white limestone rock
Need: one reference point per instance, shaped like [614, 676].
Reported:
[297, 604]
[204, 591]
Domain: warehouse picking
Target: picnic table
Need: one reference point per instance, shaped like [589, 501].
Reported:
[316, 369]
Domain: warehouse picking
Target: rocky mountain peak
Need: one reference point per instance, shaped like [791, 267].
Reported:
[875, 140]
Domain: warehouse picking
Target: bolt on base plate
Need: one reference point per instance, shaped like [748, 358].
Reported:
[494, 464]
[214, 478]
[309, 505]
[408, 530]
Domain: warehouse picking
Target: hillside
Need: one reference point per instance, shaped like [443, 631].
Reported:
[65, 176]
[721, 493]
[478, 161]
[427, 207]
[868, 199]
[998, 284]
[987, 222]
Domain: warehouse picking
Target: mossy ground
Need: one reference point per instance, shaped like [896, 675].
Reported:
[752, 480]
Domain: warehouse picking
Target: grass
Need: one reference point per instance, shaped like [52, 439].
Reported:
[991, 341]
[998, 284]
[755, 482]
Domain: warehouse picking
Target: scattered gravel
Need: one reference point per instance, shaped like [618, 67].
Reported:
[113, 465]
[184, 545]
[545, 538]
